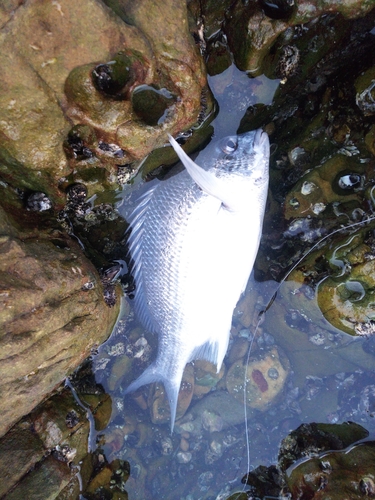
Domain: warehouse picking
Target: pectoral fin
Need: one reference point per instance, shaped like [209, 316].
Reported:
[205, 180]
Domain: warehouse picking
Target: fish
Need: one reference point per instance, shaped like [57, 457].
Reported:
[193, 242]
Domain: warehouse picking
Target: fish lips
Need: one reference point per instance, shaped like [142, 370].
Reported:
[261, 143]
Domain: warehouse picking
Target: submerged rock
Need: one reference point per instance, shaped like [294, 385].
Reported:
[109, 482]
[308, 468]
[336, 475]
[265, 379]
[158, 401]
[218, 410]
[206, 376]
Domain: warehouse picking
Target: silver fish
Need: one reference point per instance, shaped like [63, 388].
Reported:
[193, 242]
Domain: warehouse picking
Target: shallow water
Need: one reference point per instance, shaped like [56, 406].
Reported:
[330, 372]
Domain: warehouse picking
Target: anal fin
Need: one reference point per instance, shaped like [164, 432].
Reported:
[214, 352]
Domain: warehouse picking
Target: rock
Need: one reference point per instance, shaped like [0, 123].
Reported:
[258, 33]
[71, 490]
[45, 482]
[20, 450]
[213, 12]
[158, 401]
[53, 55]
[265, 379]
[239, 347]
[111, 478]
[365, 87]
[265, 481]
[217, 410]
[309, 439]
[49, 321]
[252, 31]
[308, 468]
[206, 376]
[6, 10]
[45, 455]
[348, 473]
[152, 104]
[60, 420]
[370, 140]
[51, 438]
[121, 366]
[101, 407]
[326, 185]
[347, 302]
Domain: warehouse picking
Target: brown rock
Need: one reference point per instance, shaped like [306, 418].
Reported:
[49, 323]
[58, 428]
[184, 444]
[47, 54]
[45, 482]
[101, 407]
[238, 349]
[265, 379]
[20, 450]
[158, 401]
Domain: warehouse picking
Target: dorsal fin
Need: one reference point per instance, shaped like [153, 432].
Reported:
[135, 240]
[207, 181]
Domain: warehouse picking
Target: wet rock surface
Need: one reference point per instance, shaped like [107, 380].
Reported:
[316, 461]
[45, 454]
[81, 63]
[323, 173]
[253, 30]
[263, 379]
[348, 472]
[50, 320]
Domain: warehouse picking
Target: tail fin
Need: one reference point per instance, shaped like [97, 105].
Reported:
[172, 387]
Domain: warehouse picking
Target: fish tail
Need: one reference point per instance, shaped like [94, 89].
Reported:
[171, 385]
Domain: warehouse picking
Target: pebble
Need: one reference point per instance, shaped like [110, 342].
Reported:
[184, 444]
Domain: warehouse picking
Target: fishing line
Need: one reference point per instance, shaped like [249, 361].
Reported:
[90, 417]
[261, 317]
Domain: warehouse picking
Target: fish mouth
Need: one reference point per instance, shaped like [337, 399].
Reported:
[261, 142]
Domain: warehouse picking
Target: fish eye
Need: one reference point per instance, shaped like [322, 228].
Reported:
[230, 146]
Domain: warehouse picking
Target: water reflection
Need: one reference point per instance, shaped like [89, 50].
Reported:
[235, 92]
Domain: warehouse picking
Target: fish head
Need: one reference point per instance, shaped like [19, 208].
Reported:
[241, 162]
[245, 155]
[233, 169]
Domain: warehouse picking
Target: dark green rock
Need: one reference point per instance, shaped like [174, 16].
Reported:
[151, 104]
[310, 439]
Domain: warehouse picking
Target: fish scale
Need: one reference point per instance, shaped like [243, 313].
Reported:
[193, 244]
